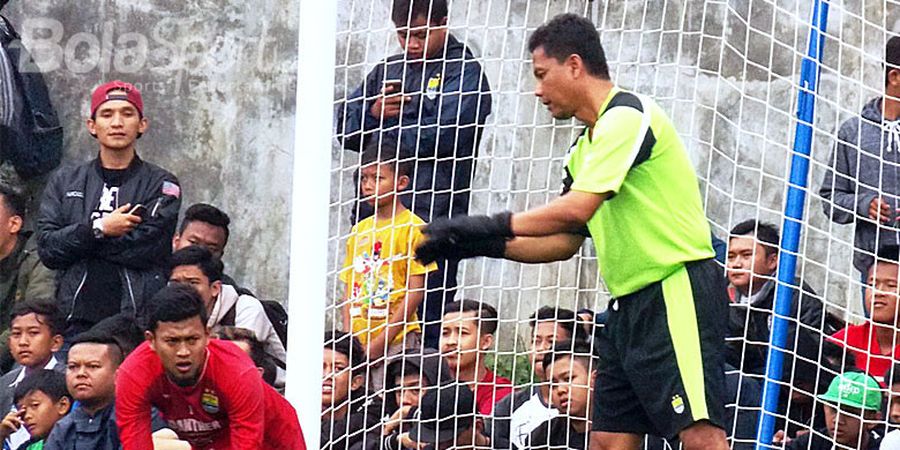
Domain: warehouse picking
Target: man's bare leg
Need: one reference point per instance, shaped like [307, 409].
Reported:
[602, 440]
[703, 436]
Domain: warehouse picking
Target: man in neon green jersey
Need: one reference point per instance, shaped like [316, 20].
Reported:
[631, 187]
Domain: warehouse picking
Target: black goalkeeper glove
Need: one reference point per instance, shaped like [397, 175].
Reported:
[466, 237]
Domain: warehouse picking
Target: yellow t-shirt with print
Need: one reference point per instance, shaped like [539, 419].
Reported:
[380, 260]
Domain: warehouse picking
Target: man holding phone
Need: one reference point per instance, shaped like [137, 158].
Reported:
[107, 225]
[433, 100]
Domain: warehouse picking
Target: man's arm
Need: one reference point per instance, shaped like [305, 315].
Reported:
[151, 242]
[415, 292]
[840, 200]
[246, 411]
[251, 314]
[535, 250]
[61, 244]
[564, 214]
[133, 413]
[40, 282]
[352, 116]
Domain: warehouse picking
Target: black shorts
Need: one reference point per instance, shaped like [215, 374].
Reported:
[661, 355]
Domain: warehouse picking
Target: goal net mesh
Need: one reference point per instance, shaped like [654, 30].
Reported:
[728, 74]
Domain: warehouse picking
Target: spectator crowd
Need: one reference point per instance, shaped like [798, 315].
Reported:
[121, 328]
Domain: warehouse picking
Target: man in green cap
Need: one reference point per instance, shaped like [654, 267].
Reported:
[852, 408]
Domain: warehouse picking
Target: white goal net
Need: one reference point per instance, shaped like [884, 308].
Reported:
[728, 73]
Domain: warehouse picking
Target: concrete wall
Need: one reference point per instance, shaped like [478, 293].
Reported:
[726, 72]
[219, 80]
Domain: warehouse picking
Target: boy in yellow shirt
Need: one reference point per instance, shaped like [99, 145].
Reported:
[385, 283]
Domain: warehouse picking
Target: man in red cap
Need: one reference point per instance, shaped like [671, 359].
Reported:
[107, 225]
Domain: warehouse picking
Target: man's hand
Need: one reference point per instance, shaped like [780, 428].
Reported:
[166, 439]
[119, 223]
[780, 438]
[11, 423]
[880, 210]
[389, 104]
[465, 237]
[394, 421]
[406, 442]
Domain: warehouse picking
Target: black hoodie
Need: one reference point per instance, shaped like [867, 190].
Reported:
[360, 428]
[434, 371]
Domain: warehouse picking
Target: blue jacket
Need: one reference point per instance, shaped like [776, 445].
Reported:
[79, 431]
[441, 126]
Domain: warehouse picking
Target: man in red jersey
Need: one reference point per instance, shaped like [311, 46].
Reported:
[208, 391]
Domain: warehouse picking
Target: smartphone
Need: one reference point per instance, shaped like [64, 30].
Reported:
[395, 85]
[138, 210]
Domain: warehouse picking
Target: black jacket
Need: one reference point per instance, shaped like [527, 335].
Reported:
[359, 429]
[558, 434]
[441, 127]
[66, 241]
[748, 332]
[815, 441]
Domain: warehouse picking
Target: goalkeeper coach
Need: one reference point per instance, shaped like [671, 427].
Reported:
[630, 186]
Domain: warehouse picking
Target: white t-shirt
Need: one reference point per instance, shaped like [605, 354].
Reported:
[891, 441]
[528, 417]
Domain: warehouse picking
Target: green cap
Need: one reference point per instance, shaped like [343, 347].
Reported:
[854, 389]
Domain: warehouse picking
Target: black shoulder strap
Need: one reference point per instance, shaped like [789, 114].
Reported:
[228, 318]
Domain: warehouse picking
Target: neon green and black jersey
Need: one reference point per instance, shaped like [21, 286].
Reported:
[653, 222]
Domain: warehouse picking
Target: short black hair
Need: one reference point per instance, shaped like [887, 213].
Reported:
[485, 313]
[579, 350]
[570, 34]
[46, 310]
[891, 57]
[384, 150]
[892, 376]
[886, 254]
[93, 336]
[50, 382]
[13, 199]
[206, 213]
[121, 328]
[563, 317]
[200, 256]
[889, 253]
[405, 11]
[764, 232]
[175, 303]
[347, 345]
[257, 351]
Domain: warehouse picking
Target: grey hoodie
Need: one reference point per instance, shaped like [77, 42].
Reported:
[864, 165]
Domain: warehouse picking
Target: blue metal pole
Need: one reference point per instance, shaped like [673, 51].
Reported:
[793, 221]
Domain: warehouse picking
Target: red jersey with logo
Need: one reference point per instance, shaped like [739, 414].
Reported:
[230, 407]
[490, 390]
